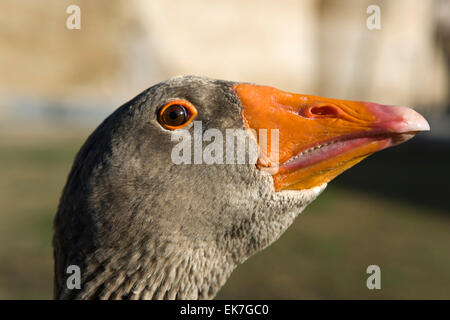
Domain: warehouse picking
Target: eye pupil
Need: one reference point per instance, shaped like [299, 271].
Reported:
[175, 115]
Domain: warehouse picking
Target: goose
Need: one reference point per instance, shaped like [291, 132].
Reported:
[139, 225]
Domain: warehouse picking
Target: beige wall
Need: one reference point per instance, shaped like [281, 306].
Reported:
[310, 46]
[398, 64]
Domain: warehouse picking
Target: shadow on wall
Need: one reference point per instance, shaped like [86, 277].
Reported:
[417, 172]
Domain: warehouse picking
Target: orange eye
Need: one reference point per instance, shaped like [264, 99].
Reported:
[177, 114]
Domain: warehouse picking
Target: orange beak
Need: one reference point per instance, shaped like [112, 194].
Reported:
[319, 138]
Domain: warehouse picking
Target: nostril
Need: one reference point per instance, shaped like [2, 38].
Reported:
[324, 111]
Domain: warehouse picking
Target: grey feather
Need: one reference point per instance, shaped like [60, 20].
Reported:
[141, 227]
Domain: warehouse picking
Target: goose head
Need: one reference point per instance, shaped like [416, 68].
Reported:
[161, 202]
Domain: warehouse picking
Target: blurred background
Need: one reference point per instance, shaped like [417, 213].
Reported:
[392, 210]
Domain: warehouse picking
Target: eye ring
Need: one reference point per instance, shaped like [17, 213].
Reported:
[177, 114]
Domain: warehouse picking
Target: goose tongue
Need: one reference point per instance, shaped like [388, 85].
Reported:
[319, 137]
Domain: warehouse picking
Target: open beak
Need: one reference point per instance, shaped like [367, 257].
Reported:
[319, 138]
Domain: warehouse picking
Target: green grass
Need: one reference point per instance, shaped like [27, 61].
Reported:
[326, 252]
[33, 170]
[323, 255]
